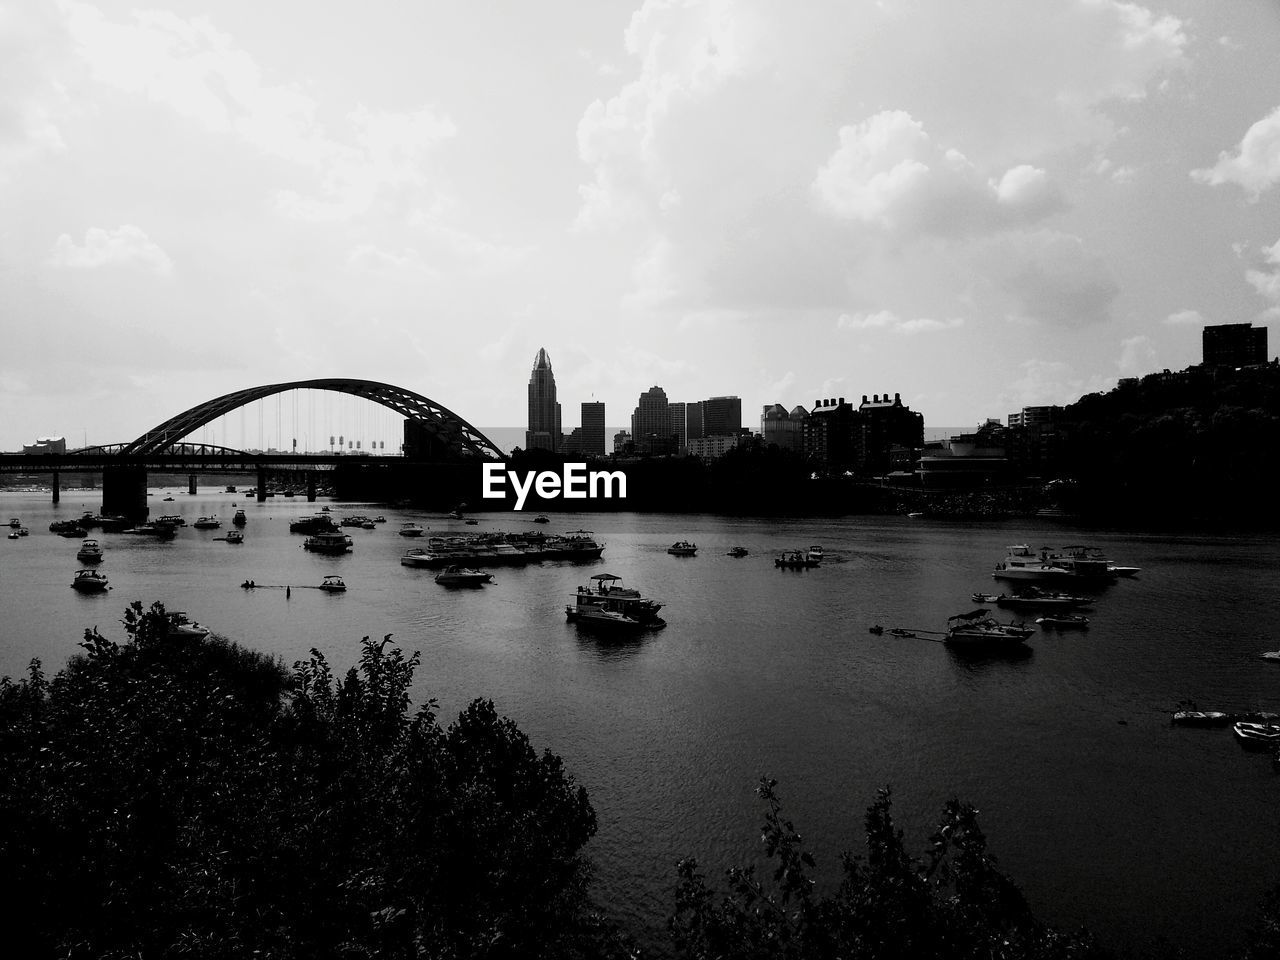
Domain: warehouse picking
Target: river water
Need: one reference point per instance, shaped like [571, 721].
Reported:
[1104, 813]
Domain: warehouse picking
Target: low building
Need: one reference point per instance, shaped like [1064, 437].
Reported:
[711, 448]
[46, 445]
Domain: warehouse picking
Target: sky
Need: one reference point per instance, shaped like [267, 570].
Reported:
[978, 205]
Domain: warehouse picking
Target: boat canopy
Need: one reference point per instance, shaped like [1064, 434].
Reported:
[972, 615]
[605, 576]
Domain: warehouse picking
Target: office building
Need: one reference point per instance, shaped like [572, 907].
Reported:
[693, 422]
[593, 429]
[679, 429]
[544, 411]
[1234, 345]
[721, 417]
[651, 423]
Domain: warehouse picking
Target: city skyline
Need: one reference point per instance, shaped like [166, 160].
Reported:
[981, 209]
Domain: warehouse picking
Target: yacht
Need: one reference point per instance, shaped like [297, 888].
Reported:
[328, 543]
[682, 548]
[90, 581]
[455, 576]
[90, 552]
[15, 522]
[417, 557]
[411, 529]
[605, 602]
[333, 584]
[1021, 563]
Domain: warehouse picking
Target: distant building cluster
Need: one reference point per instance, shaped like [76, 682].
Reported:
[46, 445]
[878, 436]
[545, 426]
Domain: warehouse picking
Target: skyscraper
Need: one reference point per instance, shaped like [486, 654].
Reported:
[544, 412]
[593, 429]
[651, 423]
[722, 417]
[675, 413]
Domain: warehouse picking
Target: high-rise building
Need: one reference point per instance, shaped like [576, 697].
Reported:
[544, 412]
[721, 417]
[693, 421]
[782, 429]
[651, 423]
[678, 427]
[593, 429]
[1234, 345]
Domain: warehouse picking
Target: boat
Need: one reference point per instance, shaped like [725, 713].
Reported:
[737, 552]
[234, 536]
[230, 488]
[605, 601]
[162, 531]
[207, 523]
[333, 584]
[239, 519]
[978, 629]
[328, 542]
[1257, 736]
[368, 525]
[795, 560]
[356, 521]
[986, 597]
[682, 548]
[168, 499]
[411, 529]
[14, 535]
[319, 523]
[172, 520]
[915, 515]
[379, 519]
[1123, 571]
[90, 581]
[455, 576]
[180, 625]
[24, 532]
[1273, 655]
[1084, 563]
[815, 552]
[419, 557]
[1021, 563]
[15, 523]
[90, 552]
[1063, 620]
[455, 514]
[1038, 600]
[1201, 718]
[577, 545]
[541, 518]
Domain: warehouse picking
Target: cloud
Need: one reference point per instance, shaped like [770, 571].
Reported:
[1052, 277]
[125, 246]
[1266, 279]
[1255, 166]
[886, 319]
[1137, 356]
[1185, 318]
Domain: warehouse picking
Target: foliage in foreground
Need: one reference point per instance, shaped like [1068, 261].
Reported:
[186, 797]
[953, 903]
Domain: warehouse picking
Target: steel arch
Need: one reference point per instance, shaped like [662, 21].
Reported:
[440, 422]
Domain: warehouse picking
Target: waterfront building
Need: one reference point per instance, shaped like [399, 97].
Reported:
[651, 423]
[679, 428]
[881, 425]
[46, 445]
[1034, 416]
[721, 417]
[968, 461]
[1234, 345]
[782, 429]
[544, 411]
[827, 436]
[593, 429]
[1034, 439]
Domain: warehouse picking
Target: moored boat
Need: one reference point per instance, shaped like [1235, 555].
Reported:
[1273, 655]
[207, 523]
[90, 552]
[815, 552]
[234, 536]
[411, 529]
[329, 542]
[333, 584]
[1257, 736]
[90, 581]
[319, 523]
[604, 601]
[977, 629]
[1201, 718]
[737, 552]
[682, 548]
[14, 522]
[180, 625]
[1061, 620]
[239, 519]
[455, 576]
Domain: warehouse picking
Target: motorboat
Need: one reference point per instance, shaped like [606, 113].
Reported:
[14, 535]
[333, 584]
[161, 531]
[1036, 600]
[1273, 655]
[180, 625]
[795, 560]
[168, 499]
[63, 526]
[234, 536]
[90, 581]
[455, 576]
[915, 515]
[325, 509]
[172, 520]
[411, 529]
[207, 523]
[24, 532]
[333, 542]
[737, 552]
[1061, 620]
[1084, 562]
[418, 557]
[455, 514]
[1021, 563]
[356, 521]
[1123, 571]
[815, 552]
[368, 525]
[576, 545]
[230, 488]
[318, 523]
[605, 601]
[1257, 736]
[379, 519]
[15, 523]
[986, 597]
[682, 548]
[1201, 718]
[239, 519]
[541, 518]
[90, 552]
[978, 629]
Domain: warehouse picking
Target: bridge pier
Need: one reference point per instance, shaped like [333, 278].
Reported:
[262, 484]
[124, 492]
[311, 486]
[57, 490]
[191, 484]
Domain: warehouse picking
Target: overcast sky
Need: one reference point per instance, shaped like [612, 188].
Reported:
[979, 205]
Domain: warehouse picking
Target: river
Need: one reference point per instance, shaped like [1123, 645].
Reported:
[1102, 812]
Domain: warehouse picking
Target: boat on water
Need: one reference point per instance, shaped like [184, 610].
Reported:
[207, 523]
[239, 519]
[14, 522]
[1257, 736]
[576, 545]
[470, 521]
[815, 551]
[455, 514]
[230, 488]
[541, 518]
[180, 625]
[168, 499]
[161, 531]
[411, 529]
[1021, 563]
[605, 602]
[419, 557]
[737, 552]
[14, 535]
[977, 629]
[1273, 655]
[333, 584]
[1063, 620]
[328, 542]
[1040, 600]
[318, 523]
[682, 548]
[455, 576]
[1201, 718]
[1086, 563]
[172, 520]
[90, 552]
[234, 536]
[915, 515]
[356, 521]
[795, 560]
[379, 519]
[90, 581]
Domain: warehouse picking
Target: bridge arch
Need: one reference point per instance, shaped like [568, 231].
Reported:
[440, 423]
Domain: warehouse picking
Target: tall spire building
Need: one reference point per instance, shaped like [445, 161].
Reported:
[544, 412]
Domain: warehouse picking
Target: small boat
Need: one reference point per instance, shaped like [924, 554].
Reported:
[986, 598]
[14, 535]
[455, 514]
[795, 560]
[1201, 718]
[1123, 571]
[1257, 736]
[333, 584]
[15, 522]
[324, 509]
[815, 552]
[172, 520]
[737, 552]
[239, 519]
[328, 543]
[90, 581]
[379, 519]
[875, 629]
[915, 515]
[180, 625]
[207, 523]
[234, 536]
[24, 532]
[462, 577]
[1063, 620]
[230, 488]
[90, 552]
[168, 499]
[1273, 655]
[541, 518]
[368, 525]
[682, 548]
[410, 529]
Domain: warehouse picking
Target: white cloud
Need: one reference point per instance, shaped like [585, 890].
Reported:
[1137, 356]
[1255, 166]
[1266, 279]
[125, 246]
[887, 319]
[1185, 318]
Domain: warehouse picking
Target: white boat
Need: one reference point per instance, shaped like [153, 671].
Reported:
[207, 523]
[455, 576]
[418, 557]
[410, 529]
[180, 625]
[815, 552]
[90, 552]
[239, 519]
[1063, 620]
[90, 581]
[1273, 655]
[1021, 563]
[328, 543]
[333, 584]
[606, 602]
[1257, 736]
[1201, 718]
[682, 548]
